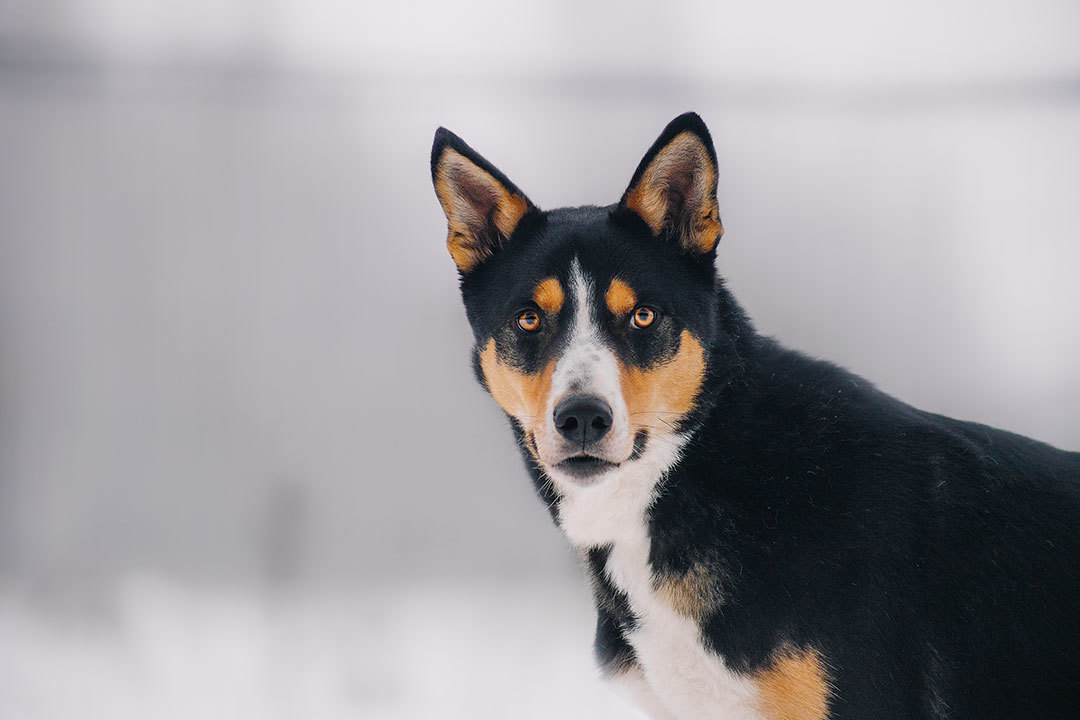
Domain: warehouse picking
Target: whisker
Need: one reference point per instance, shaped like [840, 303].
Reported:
[660, 438]
[549, 484]
[666, 425]
[645, 426]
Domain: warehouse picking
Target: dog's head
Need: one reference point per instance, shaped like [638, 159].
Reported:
[593, 325]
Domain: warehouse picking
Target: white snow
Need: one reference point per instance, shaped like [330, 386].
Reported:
[151, 649]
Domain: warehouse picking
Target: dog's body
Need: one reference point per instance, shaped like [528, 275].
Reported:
[767, 535]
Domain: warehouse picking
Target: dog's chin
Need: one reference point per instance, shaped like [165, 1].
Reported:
[583, 470]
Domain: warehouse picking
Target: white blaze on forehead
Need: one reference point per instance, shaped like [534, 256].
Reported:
[587, 366]
[583, 289]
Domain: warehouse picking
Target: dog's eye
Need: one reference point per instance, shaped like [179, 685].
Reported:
[643, 317]
[529, 321]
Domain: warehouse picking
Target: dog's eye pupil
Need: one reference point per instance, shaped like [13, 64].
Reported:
[643, 317]
[529, 321]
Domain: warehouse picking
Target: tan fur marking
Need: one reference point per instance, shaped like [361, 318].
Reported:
[794, 687]
[620, 297]
[650, 198]
[694, 594]
[620, 665]
[509, 211]
[462, 188]
[464, 255]
[523, 396]
[549, 295]
[655, 398]
[530, 444]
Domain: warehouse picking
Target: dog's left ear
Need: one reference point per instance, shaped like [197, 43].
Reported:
[482, 207]
[674, 187]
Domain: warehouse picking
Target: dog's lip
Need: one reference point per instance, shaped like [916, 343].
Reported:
[585, 467]
[586, 459]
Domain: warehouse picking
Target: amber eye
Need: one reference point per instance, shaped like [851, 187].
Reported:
[643, 317]
[529, 321]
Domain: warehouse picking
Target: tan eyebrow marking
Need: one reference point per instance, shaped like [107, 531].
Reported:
[549, 295]
[620, 298]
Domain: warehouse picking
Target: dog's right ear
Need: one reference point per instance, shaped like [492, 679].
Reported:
[482, 207]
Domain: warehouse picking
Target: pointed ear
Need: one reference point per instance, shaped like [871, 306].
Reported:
[674, 187]
[482, 207]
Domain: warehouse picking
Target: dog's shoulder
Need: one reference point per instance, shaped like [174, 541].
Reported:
[939, 537]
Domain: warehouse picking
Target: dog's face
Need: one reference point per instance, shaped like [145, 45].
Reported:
[593, 326]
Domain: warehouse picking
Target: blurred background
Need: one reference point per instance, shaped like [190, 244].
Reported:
[245, 471]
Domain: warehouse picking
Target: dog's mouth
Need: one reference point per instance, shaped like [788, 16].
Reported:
[585, 468]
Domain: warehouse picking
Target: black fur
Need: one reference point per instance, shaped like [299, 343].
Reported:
[933, 563]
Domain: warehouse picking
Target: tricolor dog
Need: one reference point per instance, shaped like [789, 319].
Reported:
[767, 535]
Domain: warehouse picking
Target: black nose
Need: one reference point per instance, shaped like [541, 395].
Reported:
[583, 418]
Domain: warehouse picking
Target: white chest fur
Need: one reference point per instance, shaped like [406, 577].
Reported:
[682, 677]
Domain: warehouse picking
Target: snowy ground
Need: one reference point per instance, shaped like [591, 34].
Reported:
[159, 650]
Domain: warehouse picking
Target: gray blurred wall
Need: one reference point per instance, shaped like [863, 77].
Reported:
[230, 342]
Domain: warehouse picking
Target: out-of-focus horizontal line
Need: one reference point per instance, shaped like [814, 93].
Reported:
[254, 80]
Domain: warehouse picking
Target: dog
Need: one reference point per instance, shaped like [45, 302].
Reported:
[767, 535]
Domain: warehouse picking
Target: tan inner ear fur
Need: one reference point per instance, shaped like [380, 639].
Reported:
[652, 198]
[519, 394]
[794, 687]
[620, 297]
[549, 295]
[657, 397]
[469, 196]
